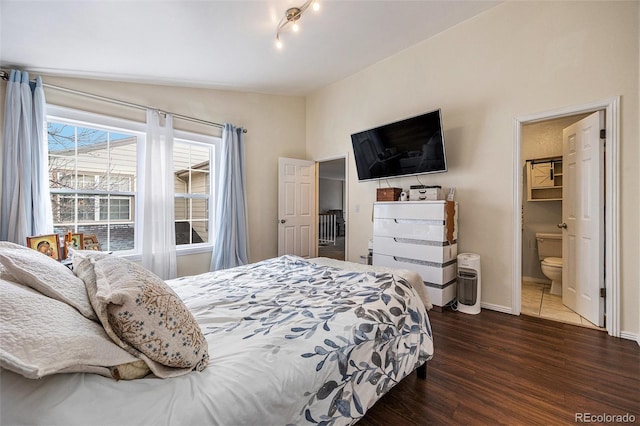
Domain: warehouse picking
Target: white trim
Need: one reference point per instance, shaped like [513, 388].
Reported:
[96, 120]
[516, 292]
[630, 336]
[181, 250]
[497, 308]
[187, 249]
[612, 204]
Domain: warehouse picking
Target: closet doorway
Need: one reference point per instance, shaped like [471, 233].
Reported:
[541, 215]
[332, 223]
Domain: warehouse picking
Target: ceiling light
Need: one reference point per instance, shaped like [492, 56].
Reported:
[291, 16]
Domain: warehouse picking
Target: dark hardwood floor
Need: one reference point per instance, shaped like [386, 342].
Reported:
[495, 368]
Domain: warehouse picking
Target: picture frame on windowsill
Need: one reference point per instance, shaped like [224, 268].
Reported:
[76, 241]
[49, 245]
[91, 242]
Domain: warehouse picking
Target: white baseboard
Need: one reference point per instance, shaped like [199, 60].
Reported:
[630, 336]
[507, 310]
[499, 308]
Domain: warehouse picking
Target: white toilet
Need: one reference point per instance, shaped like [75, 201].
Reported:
[550, 254]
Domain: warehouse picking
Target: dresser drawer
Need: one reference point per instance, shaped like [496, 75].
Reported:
[417, 229]
[434, 273]
[432, 251]
[433, 210]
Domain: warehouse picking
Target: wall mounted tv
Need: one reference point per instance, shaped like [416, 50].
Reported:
[408, 147]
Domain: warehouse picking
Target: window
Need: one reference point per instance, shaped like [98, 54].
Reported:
[94, 162]
[192, 171]
[92, 172]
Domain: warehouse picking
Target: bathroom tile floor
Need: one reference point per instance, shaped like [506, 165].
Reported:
[537, 301]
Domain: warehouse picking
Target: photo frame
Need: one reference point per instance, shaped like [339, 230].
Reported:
[49, 245]
[91, 242]
[75, 240]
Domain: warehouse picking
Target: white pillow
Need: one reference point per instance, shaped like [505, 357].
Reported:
[9, 244]
[48, 276]
[41, 336]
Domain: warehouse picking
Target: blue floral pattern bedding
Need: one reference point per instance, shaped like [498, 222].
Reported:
[349, 336]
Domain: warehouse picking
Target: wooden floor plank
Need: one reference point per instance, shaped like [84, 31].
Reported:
[495, 368]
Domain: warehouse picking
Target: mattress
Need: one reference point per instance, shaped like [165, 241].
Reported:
[290, 342]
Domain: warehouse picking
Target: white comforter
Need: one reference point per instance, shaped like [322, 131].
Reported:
[291, 342]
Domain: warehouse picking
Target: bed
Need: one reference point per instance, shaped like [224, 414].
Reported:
[290, 341]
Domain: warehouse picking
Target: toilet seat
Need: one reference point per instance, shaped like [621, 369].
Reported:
[552, 261]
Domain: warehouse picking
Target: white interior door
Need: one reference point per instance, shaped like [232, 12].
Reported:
[583, 218]
[296, 207]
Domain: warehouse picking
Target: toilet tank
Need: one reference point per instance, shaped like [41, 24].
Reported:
[549, 244]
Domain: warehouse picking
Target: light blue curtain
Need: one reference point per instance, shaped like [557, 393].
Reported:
[26, 205]
[158, 225]
[231, 204]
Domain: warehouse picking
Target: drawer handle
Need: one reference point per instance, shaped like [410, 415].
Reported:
[420, 242]
[424, 262]
[420, 221]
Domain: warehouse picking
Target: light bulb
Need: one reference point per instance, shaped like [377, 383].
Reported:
[296, 27]
[316, 6]
[278, 44]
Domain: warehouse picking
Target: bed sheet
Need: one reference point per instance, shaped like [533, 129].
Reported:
[291, 342]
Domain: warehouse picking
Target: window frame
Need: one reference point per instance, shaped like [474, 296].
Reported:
[78, 117]
[214, 165]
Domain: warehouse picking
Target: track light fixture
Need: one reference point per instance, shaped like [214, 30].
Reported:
[291, 17]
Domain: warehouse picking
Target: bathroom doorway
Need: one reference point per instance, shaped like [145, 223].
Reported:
[332, 223]
[539, 151]
[542, 212]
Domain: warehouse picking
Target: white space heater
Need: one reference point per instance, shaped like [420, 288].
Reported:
[469, 283]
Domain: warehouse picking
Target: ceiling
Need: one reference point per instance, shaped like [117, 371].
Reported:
[217, 44]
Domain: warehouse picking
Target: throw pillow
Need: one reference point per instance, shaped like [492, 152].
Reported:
[143, 311]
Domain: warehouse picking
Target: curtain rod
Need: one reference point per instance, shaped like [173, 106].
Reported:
[5, 76]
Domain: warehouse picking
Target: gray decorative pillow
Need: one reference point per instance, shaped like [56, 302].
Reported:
[41, 336]
[47, 276]
[139, 310]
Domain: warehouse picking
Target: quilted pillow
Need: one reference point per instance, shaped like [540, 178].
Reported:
[4, 274]
[9, 244]
[40, 336]
[47, 276]
[139, 310]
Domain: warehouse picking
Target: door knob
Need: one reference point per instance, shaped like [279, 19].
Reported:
[285, 220]
[562, 225]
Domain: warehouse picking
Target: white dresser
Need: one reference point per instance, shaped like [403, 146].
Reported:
[420, 236]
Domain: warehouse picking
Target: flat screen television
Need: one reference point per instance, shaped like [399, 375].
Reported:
[408, 147]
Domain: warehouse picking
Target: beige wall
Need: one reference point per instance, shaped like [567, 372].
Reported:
[275, 124]
[516, 59]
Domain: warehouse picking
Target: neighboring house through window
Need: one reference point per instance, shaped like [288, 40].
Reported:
[191, 163]
[94, 162]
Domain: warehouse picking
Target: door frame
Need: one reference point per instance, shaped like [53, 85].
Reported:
[611, 107]
[345, 208]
